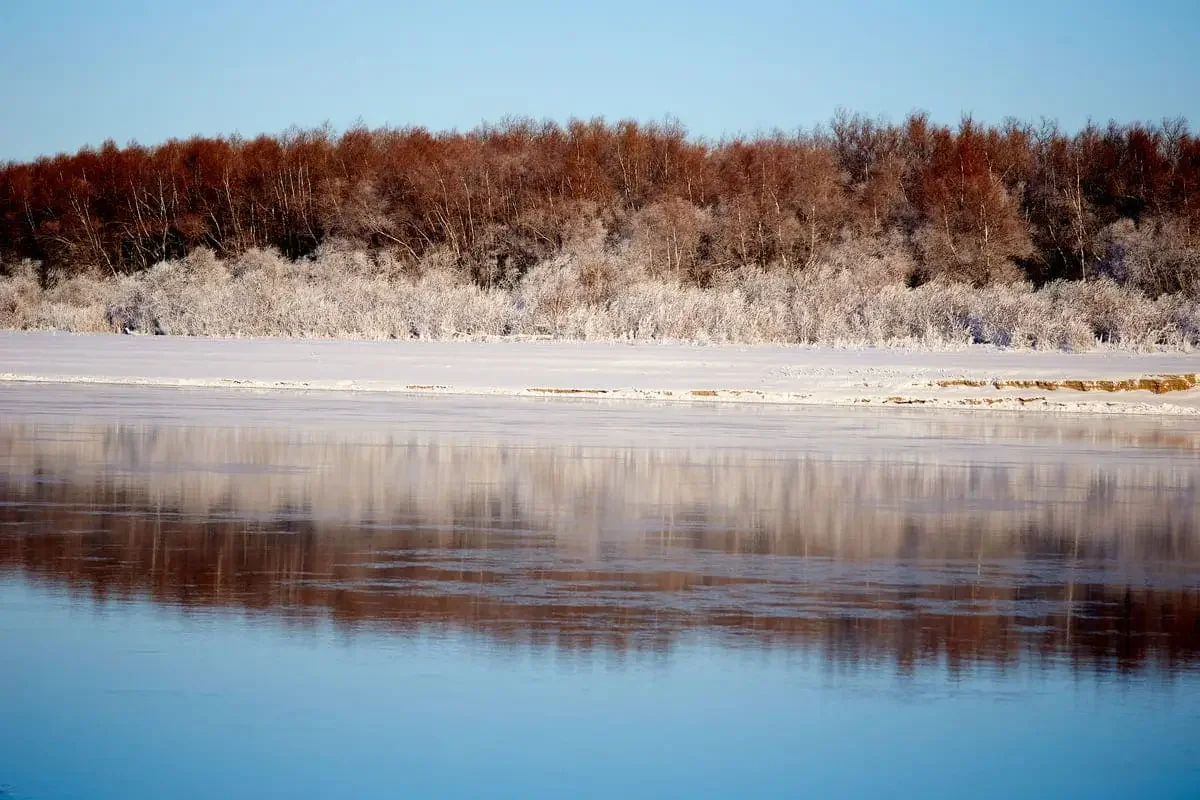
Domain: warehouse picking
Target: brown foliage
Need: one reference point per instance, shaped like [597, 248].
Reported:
[973, 203]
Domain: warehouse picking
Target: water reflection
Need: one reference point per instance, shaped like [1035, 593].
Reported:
[1040, 557]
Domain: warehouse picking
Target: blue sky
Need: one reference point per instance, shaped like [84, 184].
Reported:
[74, 73]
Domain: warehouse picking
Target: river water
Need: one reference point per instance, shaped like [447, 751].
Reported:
[228, 594]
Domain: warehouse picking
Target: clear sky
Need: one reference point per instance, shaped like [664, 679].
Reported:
[75, 72]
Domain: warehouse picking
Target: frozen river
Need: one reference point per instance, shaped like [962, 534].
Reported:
[228, 593]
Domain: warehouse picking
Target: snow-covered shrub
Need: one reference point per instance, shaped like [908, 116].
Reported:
[858, 294]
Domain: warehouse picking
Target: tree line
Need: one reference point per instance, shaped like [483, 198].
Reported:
[970, 202]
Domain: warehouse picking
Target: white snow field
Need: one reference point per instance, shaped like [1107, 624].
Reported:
[974, 377]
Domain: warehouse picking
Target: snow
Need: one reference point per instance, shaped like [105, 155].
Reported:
[643, 371]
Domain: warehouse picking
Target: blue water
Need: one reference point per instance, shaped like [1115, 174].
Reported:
[258, 612]
[125, 700]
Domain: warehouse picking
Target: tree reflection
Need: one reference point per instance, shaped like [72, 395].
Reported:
[900, 563]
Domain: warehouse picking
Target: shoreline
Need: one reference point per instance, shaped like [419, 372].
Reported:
[977, 377]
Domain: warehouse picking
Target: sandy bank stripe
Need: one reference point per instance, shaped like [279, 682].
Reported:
[1157, 384]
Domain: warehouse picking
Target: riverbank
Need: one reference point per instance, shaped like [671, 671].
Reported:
[973, 377]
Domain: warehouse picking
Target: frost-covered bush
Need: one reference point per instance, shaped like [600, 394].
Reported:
[858, 294]
[1158, 256]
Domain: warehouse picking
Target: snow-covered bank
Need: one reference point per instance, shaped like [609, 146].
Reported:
[976, 377]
